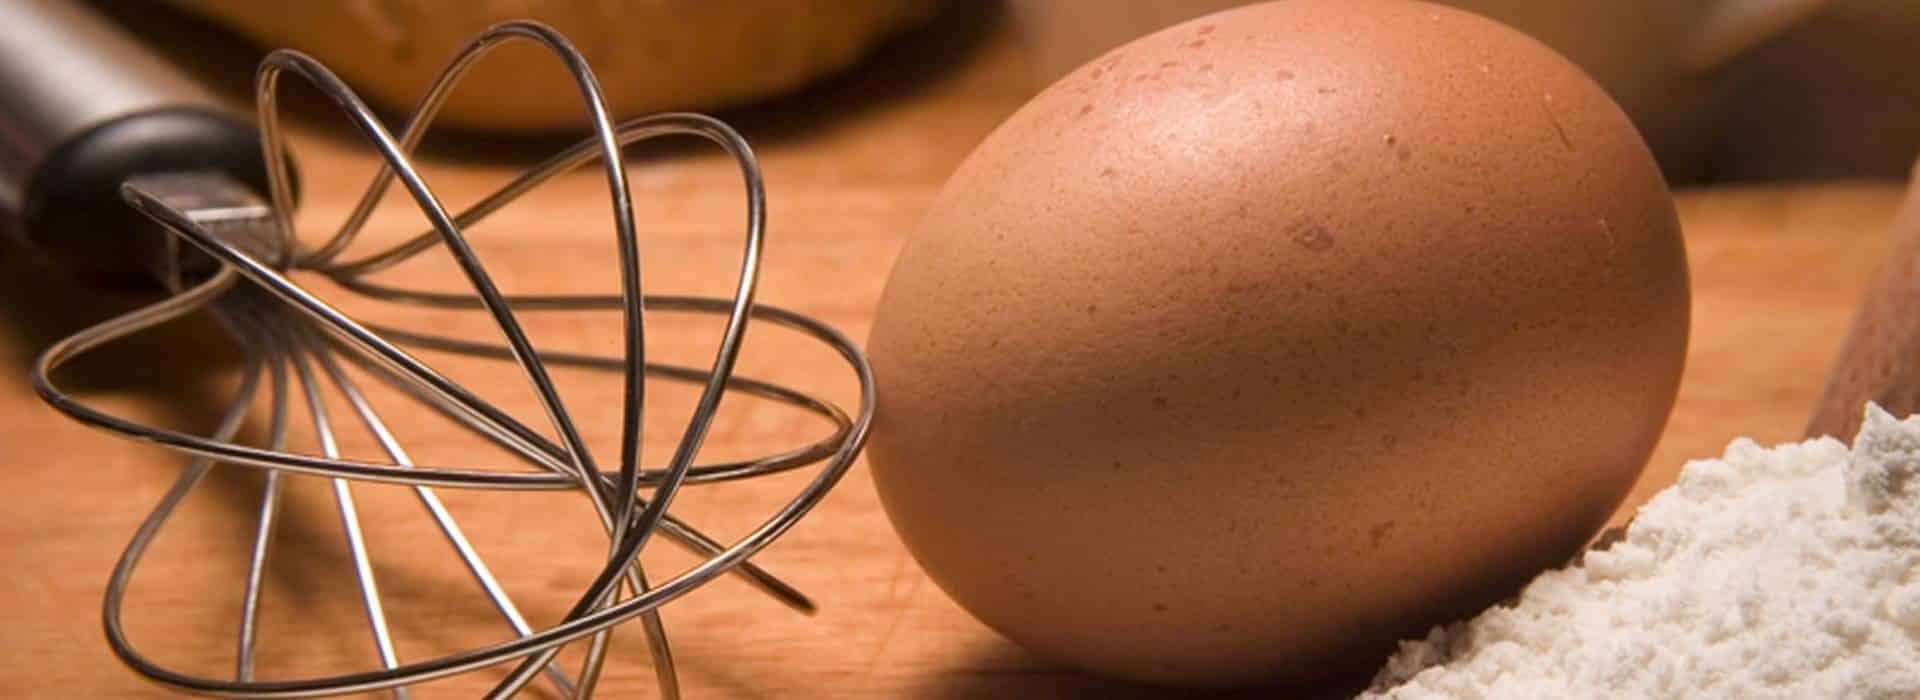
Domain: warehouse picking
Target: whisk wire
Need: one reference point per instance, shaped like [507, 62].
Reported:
[269, 501]
[285, 326]
[675, 529]
[449, 528]
[349, 511]
[732, 555]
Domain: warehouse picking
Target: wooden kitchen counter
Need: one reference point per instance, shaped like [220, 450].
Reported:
[849, 168]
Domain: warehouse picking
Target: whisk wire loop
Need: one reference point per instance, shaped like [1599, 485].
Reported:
[284, 329]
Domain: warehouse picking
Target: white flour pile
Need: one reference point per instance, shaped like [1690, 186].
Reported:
[1792, 572]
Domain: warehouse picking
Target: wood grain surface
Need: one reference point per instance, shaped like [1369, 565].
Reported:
[1777, 271]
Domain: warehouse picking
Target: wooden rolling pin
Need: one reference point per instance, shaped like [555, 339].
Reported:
[1878, 360]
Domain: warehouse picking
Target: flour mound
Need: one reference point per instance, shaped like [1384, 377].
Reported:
[1791, 572]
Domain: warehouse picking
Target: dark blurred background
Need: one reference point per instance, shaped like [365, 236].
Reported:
[1723, 90]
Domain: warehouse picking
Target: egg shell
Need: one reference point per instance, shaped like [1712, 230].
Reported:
[1276, 336]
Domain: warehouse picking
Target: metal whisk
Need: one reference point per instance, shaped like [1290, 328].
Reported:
[236, 264]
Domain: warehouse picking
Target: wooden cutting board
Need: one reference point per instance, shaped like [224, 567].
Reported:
[1777, 270]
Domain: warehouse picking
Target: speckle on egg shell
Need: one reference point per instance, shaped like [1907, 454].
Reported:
[1391, 307]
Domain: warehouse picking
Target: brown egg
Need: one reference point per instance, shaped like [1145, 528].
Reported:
[1273, 337]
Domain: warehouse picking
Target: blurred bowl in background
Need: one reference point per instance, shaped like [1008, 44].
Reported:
[650, 56]
[1837, 97]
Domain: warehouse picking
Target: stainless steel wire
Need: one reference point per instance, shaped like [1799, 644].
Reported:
[269, 513]
[286, 331]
